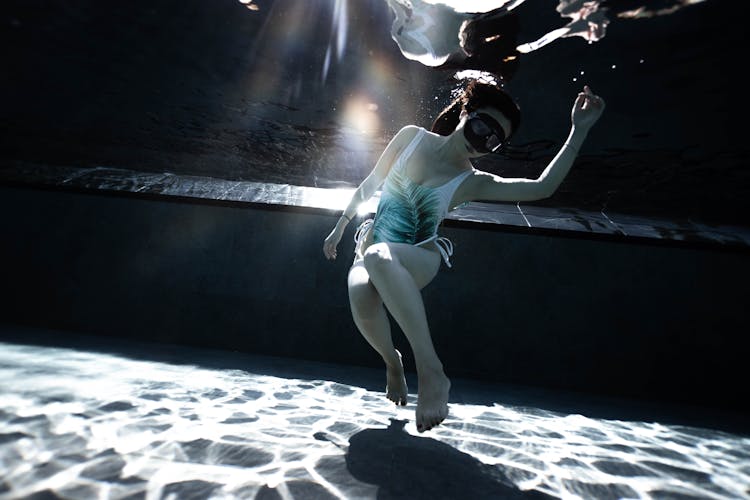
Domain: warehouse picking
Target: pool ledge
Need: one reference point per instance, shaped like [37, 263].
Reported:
[559, 221]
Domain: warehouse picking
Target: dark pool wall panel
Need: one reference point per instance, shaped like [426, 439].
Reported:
[642, 320]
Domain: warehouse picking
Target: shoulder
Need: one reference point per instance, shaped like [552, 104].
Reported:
[402, 138]
[408, 132]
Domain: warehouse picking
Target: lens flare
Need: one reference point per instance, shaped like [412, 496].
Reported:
[360, 114]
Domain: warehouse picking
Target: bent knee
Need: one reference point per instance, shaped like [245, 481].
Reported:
[377, 256]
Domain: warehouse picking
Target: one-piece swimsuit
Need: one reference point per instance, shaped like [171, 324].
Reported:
[409, 212]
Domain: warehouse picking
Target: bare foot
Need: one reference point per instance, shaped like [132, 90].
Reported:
[396, 389]
[432, 405]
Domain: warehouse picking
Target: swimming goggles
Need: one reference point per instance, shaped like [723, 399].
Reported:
[484, 133]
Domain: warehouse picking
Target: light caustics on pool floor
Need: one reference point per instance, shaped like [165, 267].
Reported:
[81, 424]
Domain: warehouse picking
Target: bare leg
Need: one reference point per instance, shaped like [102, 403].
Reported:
[372, 321]
[398, 272]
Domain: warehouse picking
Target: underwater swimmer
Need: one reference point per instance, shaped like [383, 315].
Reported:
[425, 174]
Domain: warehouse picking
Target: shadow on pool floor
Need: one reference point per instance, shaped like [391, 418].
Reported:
[84, 416]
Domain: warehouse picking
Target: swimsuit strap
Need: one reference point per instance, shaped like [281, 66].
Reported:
[446, 249]
[445, 246]
[362, 230]
[450, 187]
[409, 149]
[463, 175]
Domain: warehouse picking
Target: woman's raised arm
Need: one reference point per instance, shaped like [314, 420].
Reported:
[484, 186]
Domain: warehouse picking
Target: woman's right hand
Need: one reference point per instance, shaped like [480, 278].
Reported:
[331, 242]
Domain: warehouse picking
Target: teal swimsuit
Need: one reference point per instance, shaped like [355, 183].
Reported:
[409, 212]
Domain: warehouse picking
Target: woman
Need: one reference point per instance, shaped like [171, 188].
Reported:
[426, 174]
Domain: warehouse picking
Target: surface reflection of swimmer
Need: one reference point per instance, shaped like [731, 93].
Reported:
[488, 43]
[588, 20]
[438, 35]
[424, 175]
[425, 32]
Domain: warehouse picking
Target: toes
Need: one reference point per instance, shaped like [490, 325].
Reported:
[397, 400]
[433, 422]
[428, 422]
[426, 425]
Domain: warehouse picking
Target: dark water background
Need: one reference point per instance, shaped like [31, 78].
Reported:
[211, 88]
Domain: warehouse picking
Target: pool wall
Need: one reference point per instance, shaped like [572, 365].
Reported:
[651, 321]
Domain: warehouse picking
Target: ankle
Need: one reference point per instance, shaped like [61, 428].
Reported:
[434, 369]
[393, 363]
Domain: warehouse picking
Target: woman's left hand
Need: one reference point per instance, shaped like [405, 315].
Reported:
[587, 109]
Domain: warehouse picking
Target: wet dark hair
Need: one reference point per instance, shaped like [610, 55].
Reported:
[477, 95]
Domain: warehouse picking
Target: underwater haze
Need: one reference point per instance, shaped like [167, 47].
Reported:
[309, 92]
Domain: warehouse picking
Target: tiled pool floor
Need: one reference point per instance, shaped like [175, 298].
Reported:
[92, 417]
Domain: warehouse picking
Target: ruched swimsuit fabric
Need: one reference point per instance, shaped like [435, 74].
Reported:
[409, 212]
